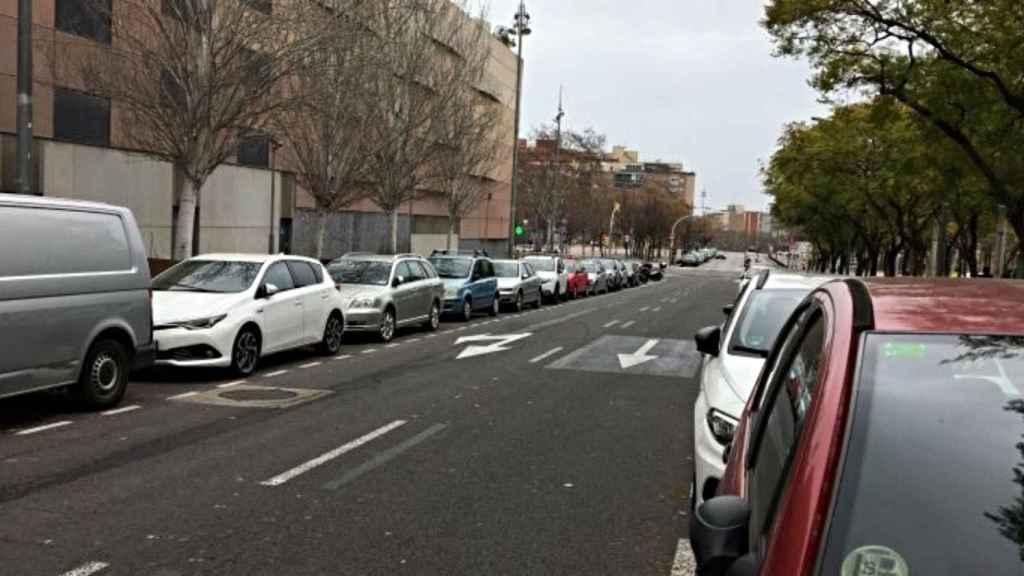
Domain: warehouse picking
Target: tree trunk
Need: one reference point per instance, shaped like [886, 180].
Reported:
[184, 228]
[451, 232]
[393, 221]
[321, 232]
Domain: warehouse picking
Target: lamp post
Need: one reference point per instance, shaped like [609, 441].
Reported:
[672, 236]
[520, 29]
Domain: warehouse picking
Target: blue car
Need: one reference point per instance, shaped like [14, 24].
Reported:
[469, 283]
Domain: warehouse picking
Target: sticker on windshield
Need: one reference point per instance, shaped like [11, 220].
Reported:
[903, 350]
[874, 561]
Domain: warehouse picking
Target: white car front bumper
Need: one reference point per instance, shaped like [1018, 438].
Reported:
[707, 452]
[193, 348]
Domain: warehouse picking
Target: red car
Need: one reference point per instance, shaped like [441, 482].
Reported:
[577, 284]
[884, 437]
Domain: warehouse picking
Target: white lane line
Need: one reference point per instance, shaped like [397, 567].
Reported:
[610, 324]
[384, 457]
[663, 300]
[684, 564]
[392, 346]
[183, 395]
[331, 455]
[645, 309]
[310, 364]
[628, 324]
[674, 300]
[237, 382]
[411, 340]
[551, 352]
[42, 428]
[658, 309]
[431, 335]
[278, 373]
[369, 351]
[343, 357]
[121, 410]
[87, 569]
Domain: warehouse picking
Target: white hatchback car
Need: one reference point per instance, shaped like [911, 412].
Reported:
[552, 272]
[732, 358]
[230, 309]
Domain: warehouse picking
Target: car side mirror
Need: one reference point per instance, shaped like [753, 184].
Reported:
[719, 536]
[709, 340]
[397, 281]
[728, 308]
[266, 291]
[526, 275]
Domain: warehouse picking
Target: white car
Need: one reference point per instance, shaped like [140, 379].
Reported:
[228, 310]
[552, 273]
[732, 358]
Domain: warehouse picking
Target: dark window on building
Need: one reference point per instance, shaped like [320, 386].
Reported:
[86, 18]
[254, 150]
[265, 6]
[80, 117]
[255, 70]
[172, 95]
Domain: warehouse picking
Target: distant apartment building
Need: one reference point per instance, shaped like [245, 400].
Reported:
[629, 172]
[250, 204]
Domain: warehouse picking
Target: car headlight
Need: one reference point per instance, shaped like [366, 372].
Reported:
[451, 292]
[197, 324]
[722, 426]
[364, 302]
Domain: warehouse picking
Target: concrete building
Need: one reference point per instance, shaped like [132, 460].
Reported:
[251, 204]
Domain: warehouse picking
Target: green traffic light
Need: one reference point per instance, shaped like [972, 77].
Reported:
[519, 231]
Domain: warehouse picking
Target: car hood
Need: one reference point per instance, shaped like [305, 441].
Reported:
[508, 283]
[349, 291]
[546, 276]
[179, 305]
[454, 282]
[738, 374]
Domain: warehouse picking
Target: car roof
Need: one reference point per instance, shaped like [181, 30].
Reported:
[372, 257]
[970, 306]
[52, 202]
[243, 257]
[789, 280]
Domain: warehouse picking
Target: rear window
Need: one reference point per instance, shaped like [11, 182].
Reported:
[350, 271]
[506, 269]
[761, 319]
[302, 272]
[40, 241]
[933, 481]
[542, 264]
[452, 267]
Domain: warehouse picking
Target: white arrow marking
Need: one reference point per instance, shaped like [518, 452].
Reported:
[501, 341]
[638, 357]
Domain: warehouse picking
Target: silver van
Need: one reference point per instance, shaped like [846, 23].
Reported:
[74, 298]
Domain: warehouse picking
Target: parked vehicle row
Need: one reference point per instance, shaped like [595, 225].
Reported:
[695, 258]
[880, 430]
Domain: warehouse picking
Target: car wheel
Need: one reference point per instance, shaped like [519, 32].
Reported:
[519, 301]
[245, 353]
[333, 333]
[387, 326]
[434, 321]
[467, 310]
[495, 306]
[104, 376]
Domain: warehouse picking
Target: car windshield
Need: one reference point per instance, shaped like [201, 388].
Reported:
[219, 276]
[590, 265]
[762, 318]
[933, 479]
[452, 267]
[542, 264]
[348, 271]
[506, 269]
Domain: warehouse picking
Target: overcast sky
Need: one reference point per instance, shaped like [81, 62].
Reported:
[681, 80]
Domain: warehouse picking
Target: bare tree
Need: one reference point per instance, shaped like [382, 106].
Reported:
[323, 132]
[418, 73]
[191, 79]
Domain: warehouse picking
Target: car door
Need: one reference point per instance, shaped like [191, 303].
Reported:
[404, 295]
[532, 282]
[424, 297]
[314, 299]
[282, 312]
[476, 284]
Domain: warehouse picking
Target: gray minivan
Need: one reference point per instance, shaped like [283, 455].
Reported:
[74, 298]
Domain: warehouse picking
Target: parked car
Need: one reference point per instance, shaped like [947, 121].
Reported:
[74, 298]
[229, 310]
[383, 293]
[691, 260]
[732, 358]
[615, 279]
[597, 276]
[578, 282]
[653, 271]
[518, 284]
[883, 437]
[469, 283]
[551, 269]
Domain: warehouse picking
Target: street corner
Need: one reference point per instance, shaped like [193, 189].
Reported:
[634, 355]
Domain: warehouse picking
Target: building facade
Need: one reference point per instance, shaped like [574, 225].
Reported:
[250, 204]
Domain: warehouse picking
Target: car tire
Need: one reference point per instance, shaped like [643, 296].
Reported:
[334, 331]
[245, 352]
[104, 377]
[467, 310]
[386, 331]
[519, 302]
[434, 320]
[495, 306]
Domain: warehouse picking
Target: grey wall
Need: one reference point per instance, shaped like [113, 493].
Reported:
[494, 248]
[347, 232]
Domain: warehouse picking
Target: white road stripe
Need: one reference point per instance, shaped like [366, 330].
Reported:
[658, 309]
[628, 324]
[182, 395]
[431, 335]
[684, 564]
[369, 351]
[121, 410]
[663, 300]
[328, 456]
[235, 383]
[411, 340]
[87, 569]
[551, 352]
[674, 300]
[310, 364]
[42, 428]
[392, 346]
[343, 357]
[645, 309]
[610, 324]
[278, 373]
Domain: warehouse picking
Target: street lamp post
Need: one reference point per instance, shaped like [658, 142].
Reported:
[520, 28]
[672, 236]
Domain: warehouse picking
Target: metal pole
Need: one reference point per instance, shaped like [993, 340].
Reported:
[1001, 252]
[515, 147]
[23, 172]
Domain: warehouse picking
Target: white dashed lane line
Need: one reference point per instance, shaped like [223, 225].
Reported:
[645, 309]
[369, 351]
[343, 357]
[658, 309]
[121, 410]
[684, 564]
[42, 428]
[628, 324]
[87, 569]
[310, 364]
[183, 395]
[551, 352]
[392, 346]
[237, 382]
[277, 373]
[610, 324]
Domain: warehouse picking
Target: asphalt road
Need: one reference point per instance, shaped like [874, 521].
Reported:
[545, 453]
